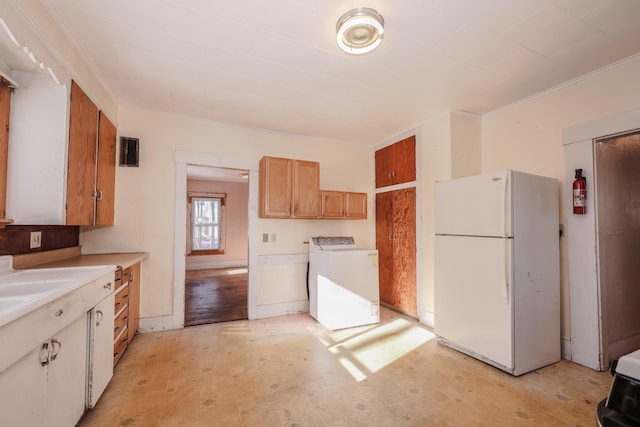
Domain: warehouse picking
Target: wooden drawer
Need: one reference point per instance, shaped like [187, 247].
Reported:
[122, 298]
[118, 278]
[120, 346]
[120, 322]
[126, 275]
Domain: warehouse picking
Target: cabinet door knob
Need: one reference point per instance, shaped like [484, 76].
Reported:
[44, 354]
[99, 317]
[60, 312]
[107, 286]
[55, 349]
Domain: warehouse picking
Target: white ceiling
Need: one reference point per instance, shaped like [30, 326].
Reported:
[206, 173]
[275, 64]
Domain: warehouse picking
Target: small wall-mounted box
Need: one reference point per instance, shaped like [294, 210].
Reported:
[129, 151]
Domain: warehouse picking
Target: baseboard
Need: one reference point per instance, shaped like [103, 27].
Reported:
[283, 309]
[159, 323]
[565, 349]
[426, 318]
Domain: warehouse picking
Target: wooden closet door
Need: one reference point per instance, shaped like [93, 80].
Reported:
[404, 250]
[81, 178]
[384, 244]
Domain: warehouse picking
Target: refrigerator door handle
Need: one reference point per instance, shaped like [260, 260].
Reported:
[507, 264]
[505, 204]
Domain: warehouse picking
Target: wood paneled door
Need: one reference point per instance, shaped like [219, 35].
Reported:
[396, 163]
[396, 244]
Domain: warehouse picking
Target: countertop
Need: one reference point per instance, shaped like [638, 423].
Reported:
[72, 257]
[123, 260]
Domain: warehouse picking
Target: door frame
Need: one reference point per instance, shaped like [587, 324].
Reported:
[586, 345]
[182, 160]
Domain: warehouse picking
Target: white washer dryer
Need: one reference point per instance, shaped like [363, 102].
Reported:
[343, 283]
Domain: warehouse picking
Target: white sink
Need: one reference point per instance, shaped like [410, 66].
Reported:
[22, 291]
[7, 303]
[23, 288]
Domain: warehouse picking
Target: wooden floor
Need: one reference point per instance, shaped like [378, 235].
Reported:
[290, 371]
[215, 295]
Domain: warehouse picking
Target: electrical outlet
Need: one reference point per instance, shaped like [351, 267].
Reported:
[273, 237]
[35, 239]
[265, 238]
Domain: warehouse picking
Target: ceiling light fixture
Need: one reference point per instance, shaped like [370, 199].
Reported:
[360, 30]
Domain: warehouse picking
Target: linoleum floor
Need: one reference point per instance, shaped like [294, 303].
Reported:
[289, 371]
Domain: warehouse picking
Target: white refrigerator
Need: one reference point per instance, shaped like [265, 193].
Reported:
[497, 273]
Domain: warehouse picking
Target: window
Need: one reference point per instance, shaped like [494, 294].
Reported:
[207, 214]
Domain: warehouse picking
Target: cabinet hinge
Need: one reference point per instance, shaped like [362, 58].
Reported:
[66, 205]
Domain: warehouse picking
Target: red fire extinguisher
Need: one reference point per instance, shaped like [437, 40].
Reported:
[579, 194]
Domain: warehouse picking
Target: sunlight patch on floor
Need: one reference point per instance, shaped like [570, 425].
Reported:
[366, 350]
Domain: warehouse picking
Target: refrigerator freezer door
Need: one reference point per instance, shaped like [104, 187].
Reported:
[473, 298]
[474, 206]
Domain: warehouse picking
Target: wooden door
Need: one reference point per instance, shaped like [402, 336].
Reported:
[332, 204]
[384, 244]
[356, 205]
[404, 160]
[276, 187]
[81, 177]
[396, 163]
[404, 250]
[5, 105]
[134, 300]
[383, 166]
[106, 174]
[396, 244]
[306, 189]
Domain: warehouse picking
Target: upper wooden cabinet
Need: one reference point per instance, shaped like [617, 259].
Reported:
[340, 205]
[356, 205]
[5, 105]
[288, 188]
[396, 163]
[106, 173]
[332, 204]
[306, 188]
[91, 164]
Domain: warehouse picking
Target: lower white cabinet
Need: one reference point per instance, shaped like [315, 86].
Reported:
[100, 370]
[47, 386]
[23, 390]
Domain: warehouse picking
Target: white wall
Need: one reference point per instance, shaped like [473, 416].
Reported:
[450, 147]
[527, 136]
[145, 201]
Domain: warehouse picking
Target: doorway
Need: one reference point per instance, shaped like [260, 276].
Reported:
[587, 341]
[182, 160]
[617, 167]
[216, 273]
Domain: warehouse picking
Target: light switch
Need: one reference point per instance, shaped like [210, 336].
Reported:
[35, 239]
